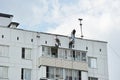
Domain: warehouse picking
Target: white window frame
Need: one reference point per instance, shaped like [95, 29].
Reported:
[3, 72]
[27, 53]
[60, 54]
[55, 73]
[4, 51]
[63, 53]
[83, 55]
[54, 52]
[92, 62]
[46, 51]
[25, 74]
[78, 56]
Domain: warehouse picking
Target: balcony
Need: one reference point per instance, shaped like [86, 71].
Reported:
[56, 62]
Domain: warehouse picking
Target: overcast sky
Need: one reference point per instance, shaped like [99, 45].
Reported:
[101, 21]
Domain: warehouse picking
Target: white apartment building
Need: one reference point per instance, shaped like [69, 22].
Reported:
[29, 55]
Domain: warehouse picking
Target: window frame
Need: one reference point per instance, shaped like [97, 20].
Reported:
[54, 72]
[3, 72]
[64, 53]
[3, 51]
[83, 57]
[54, 52]
[25, 52]
[23, 73]
[92, 64]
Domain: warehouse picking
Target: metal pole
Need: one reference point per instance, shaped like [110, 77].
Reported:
[81, 27]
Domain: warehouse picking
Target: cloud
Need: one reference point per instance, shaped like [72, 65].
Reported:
[97, 18]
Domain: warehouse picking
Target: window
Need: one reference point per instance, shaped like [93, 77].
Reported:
[26, 53]
[3, 72]
[25, 74]
[73, 55]
[75, 74]
[72, 74]
[54, 52]
[47, 72]
[23, 52]
[54, 73]
[92, 62]
[78, 56]
[4, 50]
[79, 75]
[65, 54]
[46, 51]
[69, 54]
[83, 56]
[67, 74]
[50, 72]
[92, 78]
[61, 53]
[59, 73]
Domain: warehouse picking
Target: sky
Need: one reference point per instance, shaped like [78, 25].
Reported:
[101, 21]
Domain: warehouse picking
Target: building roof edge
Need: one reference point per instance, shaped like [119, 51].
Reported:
[5, 15]
[57, 35]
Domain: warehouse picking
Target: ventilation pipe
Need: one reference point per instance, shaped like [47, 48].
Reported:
[13, 25]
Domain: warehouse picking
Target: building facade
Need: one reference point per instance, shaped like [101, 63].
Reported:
[29, 55]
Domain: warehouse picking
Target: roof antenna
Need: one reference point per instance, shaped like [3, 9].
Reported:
[81, 27]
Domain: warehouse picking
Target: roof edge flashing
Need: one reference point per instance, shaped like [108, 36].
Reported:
[6, 15]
